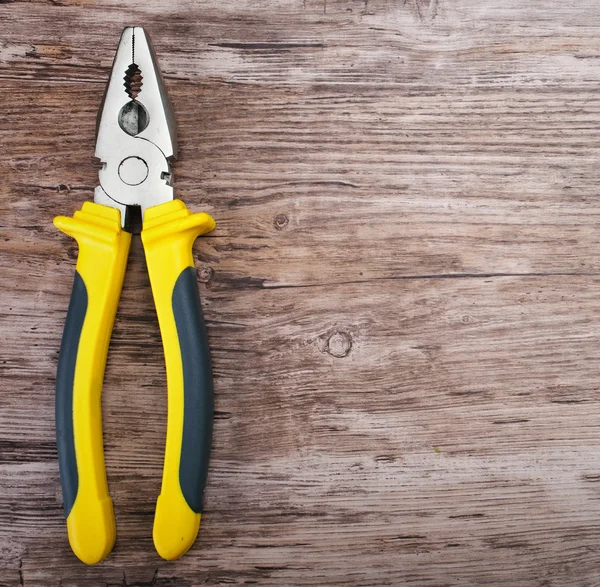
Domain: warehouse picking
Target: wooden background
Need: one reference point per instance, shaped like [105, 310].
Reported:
[402, 292]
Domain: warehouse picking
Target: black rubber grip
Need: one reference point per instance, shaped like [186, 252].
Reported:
[65, 376]
[198, 389]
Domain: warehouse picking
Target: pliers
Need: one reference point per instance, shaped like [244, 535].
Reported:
[136, 145]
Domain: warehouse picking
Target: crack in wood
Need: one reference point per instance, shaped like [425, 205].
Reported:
[264, 46]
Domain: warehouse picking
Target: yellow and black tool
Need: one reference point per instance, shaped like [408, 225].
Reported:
[136, 144]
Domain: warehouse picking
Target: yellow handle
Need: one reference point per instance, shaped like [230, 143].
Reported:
[103, 250]
[169, 231]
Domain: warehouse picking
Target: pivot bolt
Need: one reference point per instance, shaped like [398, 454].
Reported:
[133, 171]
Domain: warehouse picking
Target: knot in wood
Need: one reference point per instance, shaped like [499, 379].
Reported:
[339, 344]
[281, 221]
[205, 272]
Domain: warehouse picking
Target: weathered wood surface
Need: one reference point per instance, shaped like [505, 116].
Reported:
[402, 292]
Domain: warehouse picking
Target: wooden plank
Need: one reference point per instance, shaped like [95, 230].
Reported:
[401, 292]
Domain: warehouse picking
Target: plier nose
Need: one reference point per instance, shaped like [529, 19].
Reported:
[136, 130]
[136, 144]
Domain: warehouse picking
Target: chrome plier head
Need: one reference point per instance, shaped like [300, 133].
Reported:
[136, 130]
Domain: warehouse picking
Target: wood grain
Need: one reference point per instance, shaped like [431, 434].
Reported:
[401, 292]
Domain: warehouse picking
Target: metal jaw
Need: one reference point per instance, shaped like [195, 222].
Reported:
[136, 132]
